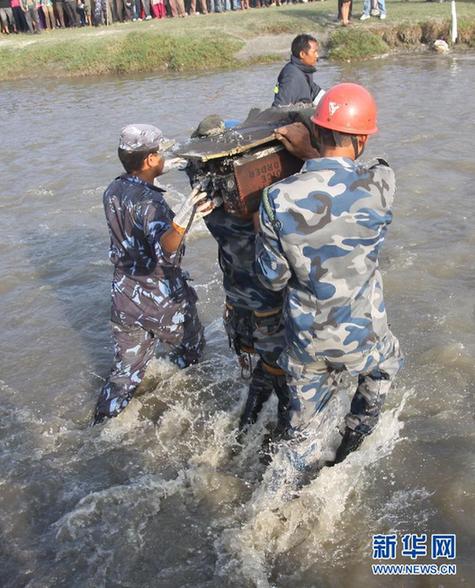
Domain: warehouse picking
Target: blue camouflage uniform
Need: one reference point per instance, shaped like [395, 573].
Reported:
[151, 299]
[253, 313]
[321, 233]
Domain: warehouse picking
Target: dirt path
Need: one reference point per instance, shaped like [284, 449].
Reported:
[275, 45]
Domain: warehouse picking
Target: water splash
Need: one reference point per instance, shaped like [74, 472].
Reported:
[273, 525]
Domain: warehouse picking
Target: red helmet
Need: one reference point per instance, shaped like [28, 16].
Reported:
[347, 108]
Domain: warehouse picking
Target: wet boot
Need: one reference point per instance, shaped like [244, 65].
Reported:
[283, 409]
[111, 402]
[260, 390]
[281, 430]
[188, 354]
[267, 448]
[350, 442]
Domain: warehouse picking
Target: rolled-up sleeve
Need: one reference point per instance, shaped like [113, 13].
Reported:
[271, 264]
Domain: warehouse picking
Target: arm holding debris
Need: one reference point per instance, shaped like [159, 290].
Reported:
[272, 266]
[196, 205]
[296, 139]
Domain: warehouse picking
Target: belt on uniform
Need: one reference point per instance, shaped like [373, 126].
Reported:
[257, 313]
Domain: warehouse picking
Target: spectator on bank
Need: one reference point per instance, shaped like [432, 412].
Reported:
[87, 12]
[84, 12]
[147, 8]
[158, 9]
[373, 8]
[31, 15]
[48, 14]
[6, 17]
[80, 13]
[136, 10]
[70, 9]
[202, 5]
[102, 12]
[122, 10]
[345, 8]
[177, 8]
[216, 6]
[58, 6]
[18, 16]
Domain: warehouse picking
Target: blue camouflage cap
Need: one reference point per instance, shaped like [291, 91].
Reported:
[142, 138]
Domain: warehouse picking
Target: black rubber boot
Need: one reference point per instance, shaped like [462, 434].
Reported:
[112, 401]
[283, 410]
[260, 390]
[350, 442]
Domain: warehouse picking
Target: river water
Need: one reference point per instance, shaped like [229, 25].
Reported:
[155, 497]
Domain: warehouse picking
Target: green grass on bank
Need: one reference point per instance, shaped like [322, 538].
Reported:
[130, 53]
[212, 42]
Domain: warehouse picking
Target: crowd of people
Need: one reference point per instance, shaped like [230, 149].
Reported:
[35, 16]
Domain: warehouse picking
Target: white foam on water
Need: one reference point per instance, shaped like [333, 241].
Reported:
[94, 207]
[40, 191]
[221, 436]
[393, 514]
[274, 524]
[116, 430]
[101, 263]
[218, 489]
[93, 192]
[401, 258]
[96, 520]
[453, 354]
[210, 286]
[94, 505]
[161, 368]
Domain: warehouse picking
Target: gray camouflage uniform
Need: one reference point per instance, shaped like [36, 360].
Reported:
[321, 233]
[253, 313]
[151, 299]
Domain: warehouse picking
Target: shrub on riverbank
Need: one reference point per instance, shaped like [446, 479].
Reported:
[466, 30]
[346, 45]
[352, 44]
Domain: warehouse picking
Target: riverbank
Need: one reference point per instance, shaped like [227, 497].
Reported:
[228, 40]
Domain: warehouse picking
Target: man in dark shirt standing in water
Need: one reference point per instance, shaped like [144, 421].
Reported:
[295, 82]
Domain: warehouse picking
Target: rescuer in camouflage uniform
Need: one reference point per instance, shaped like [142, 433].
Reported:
[321, 232]
[151, 298]
[252, 313]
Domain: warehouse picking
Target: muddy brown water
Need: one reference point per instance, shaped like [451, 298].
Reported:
[155, 498]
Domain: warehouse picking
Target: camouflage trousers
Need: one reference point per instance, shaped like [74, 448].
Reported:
[135, 346]
[312, 386]
[262, 334]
